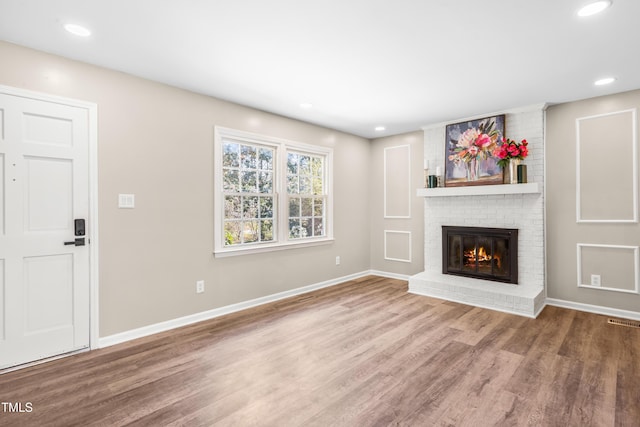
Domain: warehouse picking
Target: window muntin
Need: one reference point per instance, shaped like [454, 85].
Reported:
[306, 195]
[270, 193]
[248, 175]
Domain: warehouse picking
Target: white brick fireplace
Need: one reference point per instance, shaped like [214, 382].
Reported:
[509, 208]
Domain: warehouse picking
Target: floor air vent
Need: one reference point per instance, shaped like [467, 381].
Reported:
[629, 323]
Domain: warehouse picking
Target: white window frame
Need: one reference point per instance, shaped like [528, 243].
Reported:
[281, 202]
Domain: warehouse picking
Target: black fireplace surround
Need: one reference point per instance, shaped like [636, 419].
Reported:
[482, 253]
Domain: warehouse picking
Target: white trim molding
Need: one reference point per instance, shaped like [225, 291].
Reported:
[92, 235]
[596, 309]
[634, 162]
[389, 275]
[386, 256]
[406, 190]
[636, 268]
[281, 147]
[221, 311]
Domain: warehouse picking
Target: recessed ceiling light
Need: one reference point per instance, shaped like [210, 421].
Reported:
[593, 8]
[77, 30]
[605, 81]
[379, 128]
[306, 105]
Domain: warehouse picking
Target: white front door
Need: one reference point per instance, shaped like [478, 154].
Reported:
[44, 188]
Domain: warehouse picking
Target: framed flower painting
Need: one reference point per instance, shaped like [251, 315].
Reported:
[469, 152]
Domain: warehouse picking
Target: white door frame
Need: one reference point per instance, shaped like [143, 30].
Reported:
[92, 110]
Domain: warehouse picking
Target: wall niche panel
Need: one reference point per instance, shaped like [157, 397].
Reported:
[616, 266]
[606, 168]
[397, 245]
[397, 182]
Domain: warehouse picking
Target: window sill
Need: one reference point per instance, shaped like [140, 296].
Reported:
[229, 252]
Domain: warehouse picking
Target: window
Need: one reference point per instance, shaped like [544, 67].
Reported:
[269, 193]
[305, 190]
[247, 172]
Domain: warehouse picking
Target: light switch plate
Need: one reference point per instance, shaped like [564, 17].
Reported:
[126, 201]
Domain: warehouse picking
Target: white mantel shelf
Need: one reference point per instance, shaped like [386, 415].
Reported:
[480, 190]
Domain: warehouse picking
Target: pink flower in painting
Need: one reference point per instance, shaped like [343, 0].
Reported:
[483, 140]
[468, 138]
[473, 150]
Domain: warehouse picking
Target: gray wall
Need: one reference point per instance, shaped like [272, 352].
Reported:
[156, 141]
[597, 134]
[397, 219]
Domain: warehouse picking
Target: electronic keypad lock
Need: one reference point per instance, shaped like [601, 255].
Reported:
[79, 227]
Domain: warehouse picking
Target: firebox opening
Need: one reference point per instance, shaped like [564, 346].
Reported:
[484, 253]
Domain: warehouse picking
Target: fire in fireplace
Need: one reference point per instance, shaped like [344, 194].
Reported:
[483, 253]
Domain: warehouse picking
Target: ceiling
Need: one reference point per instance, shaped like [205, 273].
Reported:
[401, 64]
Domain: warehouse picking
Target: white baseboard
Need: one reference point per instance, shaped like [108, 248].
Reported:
[389, 275]
[633, 315]
[221, 311]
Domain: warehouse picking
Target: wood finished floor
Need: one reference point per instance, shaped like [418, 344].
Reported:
[364, 353]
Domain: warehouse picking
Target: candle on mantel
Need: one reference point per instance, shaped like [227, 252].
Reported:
[439, 175]
[426, 173]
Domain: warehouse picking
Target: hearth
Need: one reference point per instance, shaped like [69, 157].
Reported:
[483, 253]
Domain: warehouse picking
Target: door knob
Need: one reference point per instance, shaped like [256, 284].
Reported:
[77, 242]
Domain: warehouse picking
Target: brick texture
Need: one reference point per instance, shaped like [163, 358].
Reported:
[522, 211]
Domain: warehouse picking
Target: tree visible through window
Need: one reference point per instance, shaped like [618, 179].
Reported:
[248, 193]
[305, 187]
[269, 192]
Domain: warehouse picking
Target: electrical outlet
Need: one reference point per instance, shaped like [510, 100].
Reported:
[595, 280]
[200, 286]
[337, 260]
